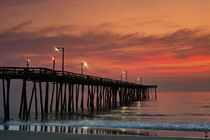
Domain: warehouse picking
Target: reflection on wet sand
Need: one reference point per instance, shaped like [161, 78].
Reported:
[78, 130]
[105, 131]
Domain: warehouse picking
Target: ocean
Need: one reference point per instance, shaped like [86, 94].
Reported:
[184, 114]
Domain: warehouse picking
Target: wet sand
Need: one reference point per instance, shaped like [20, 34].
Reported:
[24, 135]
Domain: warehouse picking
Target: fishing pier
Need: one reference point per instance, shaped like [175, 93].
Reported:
[64, 92]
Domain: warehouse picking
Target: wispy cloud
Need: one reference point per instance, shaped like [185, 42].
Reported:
[8, 3]
[12, 32]
[151, 53]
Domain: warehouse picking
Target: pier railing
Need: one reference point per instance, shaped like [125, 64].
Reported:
[27, 73]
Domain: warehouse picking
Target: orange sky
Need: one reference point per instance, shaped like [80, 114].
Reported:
[166, 42]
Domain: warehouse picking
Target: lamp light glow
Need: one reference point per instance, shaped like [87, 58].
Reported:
[57, 49]
[85, 64]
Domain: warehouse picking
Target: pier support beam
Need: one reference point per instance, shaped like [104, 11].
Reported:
[82, 98]
[6, 99]
[70, 99]
[77, 95]
[52, 96]
[64, 98]
[46, 98]
[41, 100]
[34, 93]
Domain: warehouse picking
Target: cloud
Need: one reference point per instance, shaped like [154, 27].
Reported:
[155, 21]
[120, 50]
[10, 33]
[8, 3]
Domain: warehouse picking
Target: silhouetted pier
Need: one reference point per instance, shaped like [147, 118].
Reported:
[64, 91]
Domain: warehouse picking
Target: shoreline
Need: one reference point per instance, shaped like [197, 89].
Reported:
[25, 135]
[105, 131]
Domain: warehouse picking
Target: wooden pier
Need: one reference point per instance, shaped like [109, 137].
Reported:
[64, 91]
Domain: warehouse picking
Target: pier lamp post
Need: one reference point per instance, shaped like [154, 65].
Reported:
[27, 62]
[53, 66]
[82, 65]
[58, 49]
[124, 75]
[137, 80]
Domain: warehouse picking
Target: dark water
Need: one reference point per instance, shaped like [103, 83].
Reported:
[172, 114]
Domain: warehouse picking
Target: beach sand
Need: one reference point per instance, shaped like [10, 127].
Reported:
[25, 135]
